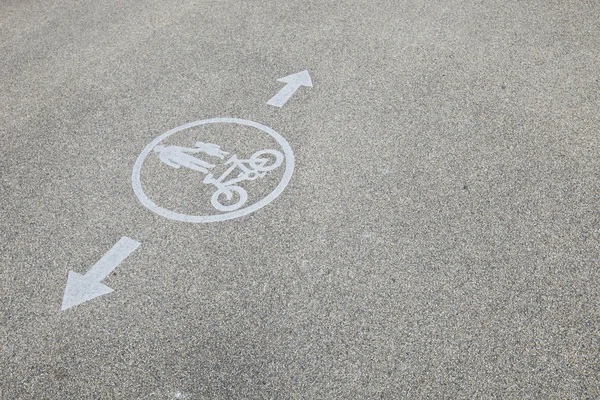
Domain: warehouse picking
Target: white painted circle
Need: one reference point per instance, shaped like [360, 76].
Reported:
[145, 200]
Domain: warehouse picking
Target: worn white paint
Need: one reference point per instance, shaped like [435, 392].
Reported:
[293, 81]
[253, 168]
[81, 288]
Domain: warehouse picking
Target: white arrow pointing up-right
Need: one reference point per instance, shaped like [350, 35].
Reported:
[293, 81]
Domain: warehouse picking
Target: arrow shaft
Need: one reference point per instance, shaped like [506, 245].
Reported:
[109, 261]
[283, 95]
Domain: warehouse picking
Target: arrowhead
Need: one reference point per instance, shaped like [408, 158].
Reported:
[80, 289]
[300, 79]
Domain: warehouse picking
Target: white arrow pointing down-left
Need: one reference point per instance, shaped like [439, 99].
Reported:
[81, 288]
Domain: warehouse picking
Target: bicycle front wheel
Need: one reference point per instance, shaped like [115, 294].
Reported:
[266, 160]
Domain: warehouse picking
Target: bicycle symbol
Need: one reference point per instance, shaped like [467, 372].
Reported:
[256, 167]
[252, 169]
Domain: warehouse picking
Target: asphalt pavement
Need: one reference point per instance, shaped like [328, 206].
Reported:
[419, 218]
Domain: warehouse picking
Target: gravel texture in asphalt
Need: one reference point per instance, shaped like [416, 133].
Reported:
[439, 237]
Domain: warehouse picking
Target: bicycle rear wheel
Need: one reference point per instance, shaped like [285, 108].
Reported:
[229, 192]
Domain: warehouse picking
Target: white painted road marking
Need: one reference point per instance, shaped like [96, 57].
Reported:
[293, 81]
[81, 288]
[227, 184]
[251, 169]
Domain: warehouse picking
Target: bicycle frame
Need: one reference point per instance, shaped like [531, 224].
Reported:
[247, 174]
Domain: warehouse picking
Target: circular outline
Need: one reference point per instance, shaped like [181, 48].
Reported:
[287, 175]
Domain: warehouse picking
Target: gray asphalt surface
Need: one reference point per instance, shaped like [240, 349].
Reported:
[439, 238]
